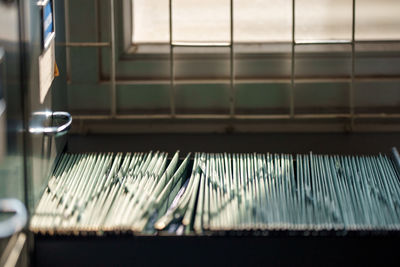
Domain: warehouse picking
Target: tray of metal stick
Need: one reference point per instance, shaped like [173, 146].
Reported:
[220, 194]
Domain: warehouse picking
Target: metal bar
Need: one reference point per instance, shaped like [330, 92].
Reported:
[179, 116]
[394, 41]
[353, 64]
[232, 69]
[262, 117]
[203, 116]
[249, 48]
[12, 252]
[238, 43]
[201, 44]
[67, 40]
[321, 116]
[322, 42]
[84, 44]
[255, 80]
[113, 88]
[171, 66]
[107, 117]
[377, 116]
[244, 116]
[293, 59]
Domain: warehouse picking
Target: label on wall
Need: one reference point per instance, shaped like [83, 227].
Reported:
[48, 24]
[46, 70]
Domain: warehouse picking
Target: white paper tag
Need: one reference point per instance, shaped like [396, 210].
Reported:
[46, 70]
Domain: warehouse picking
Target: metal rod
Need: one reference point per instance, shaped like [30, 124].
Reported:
[262, 116]
[232, 63]
[237, 116]
[181, 116]
[353, 64]
[201, 44]
[394, 41]
[11, 255]
[113, 88]
[377, 116]
[292, 76]
[322, 42]
[112, 192]
[84, 44]
[171, 59]
[396, 158]
[99, 37]
[255, 80]
[67, 40]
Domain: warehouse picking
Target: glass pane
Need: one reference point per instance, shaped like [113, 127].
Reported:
[209, 20]
[323, 19]
[202, 98]
[201, 20]
[321, 98]
[150, 21]
[377, 97]
[263, 20]
[262, 98]
[378, 20]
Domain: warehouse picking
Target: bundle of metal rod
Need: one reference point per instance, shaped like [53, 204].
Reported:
[108, 191]
[349, 192]
[272, 192]
[183, 206]
[245, 191]
[100, 192]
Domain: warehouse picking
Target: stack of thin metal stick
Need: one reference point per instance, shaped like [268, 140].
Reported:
[108, 191]
[223, 192]
[314, 192]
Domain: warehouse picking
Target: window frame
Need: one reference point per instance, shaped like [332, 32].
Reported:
[128, 51]
[134, 68]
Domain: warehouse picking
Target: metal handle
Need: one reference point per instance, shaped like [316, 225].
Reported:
[17, 222]
[39, 118]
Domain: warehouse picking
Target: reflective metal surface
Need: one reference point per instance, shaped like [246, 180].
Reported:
[15, 253]
[42, 148]
[39, 119]
[3, 143]
[13, 215]
[12, 164]
[17, 221]
[99, 192]
[109, 191]
[27, 158]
